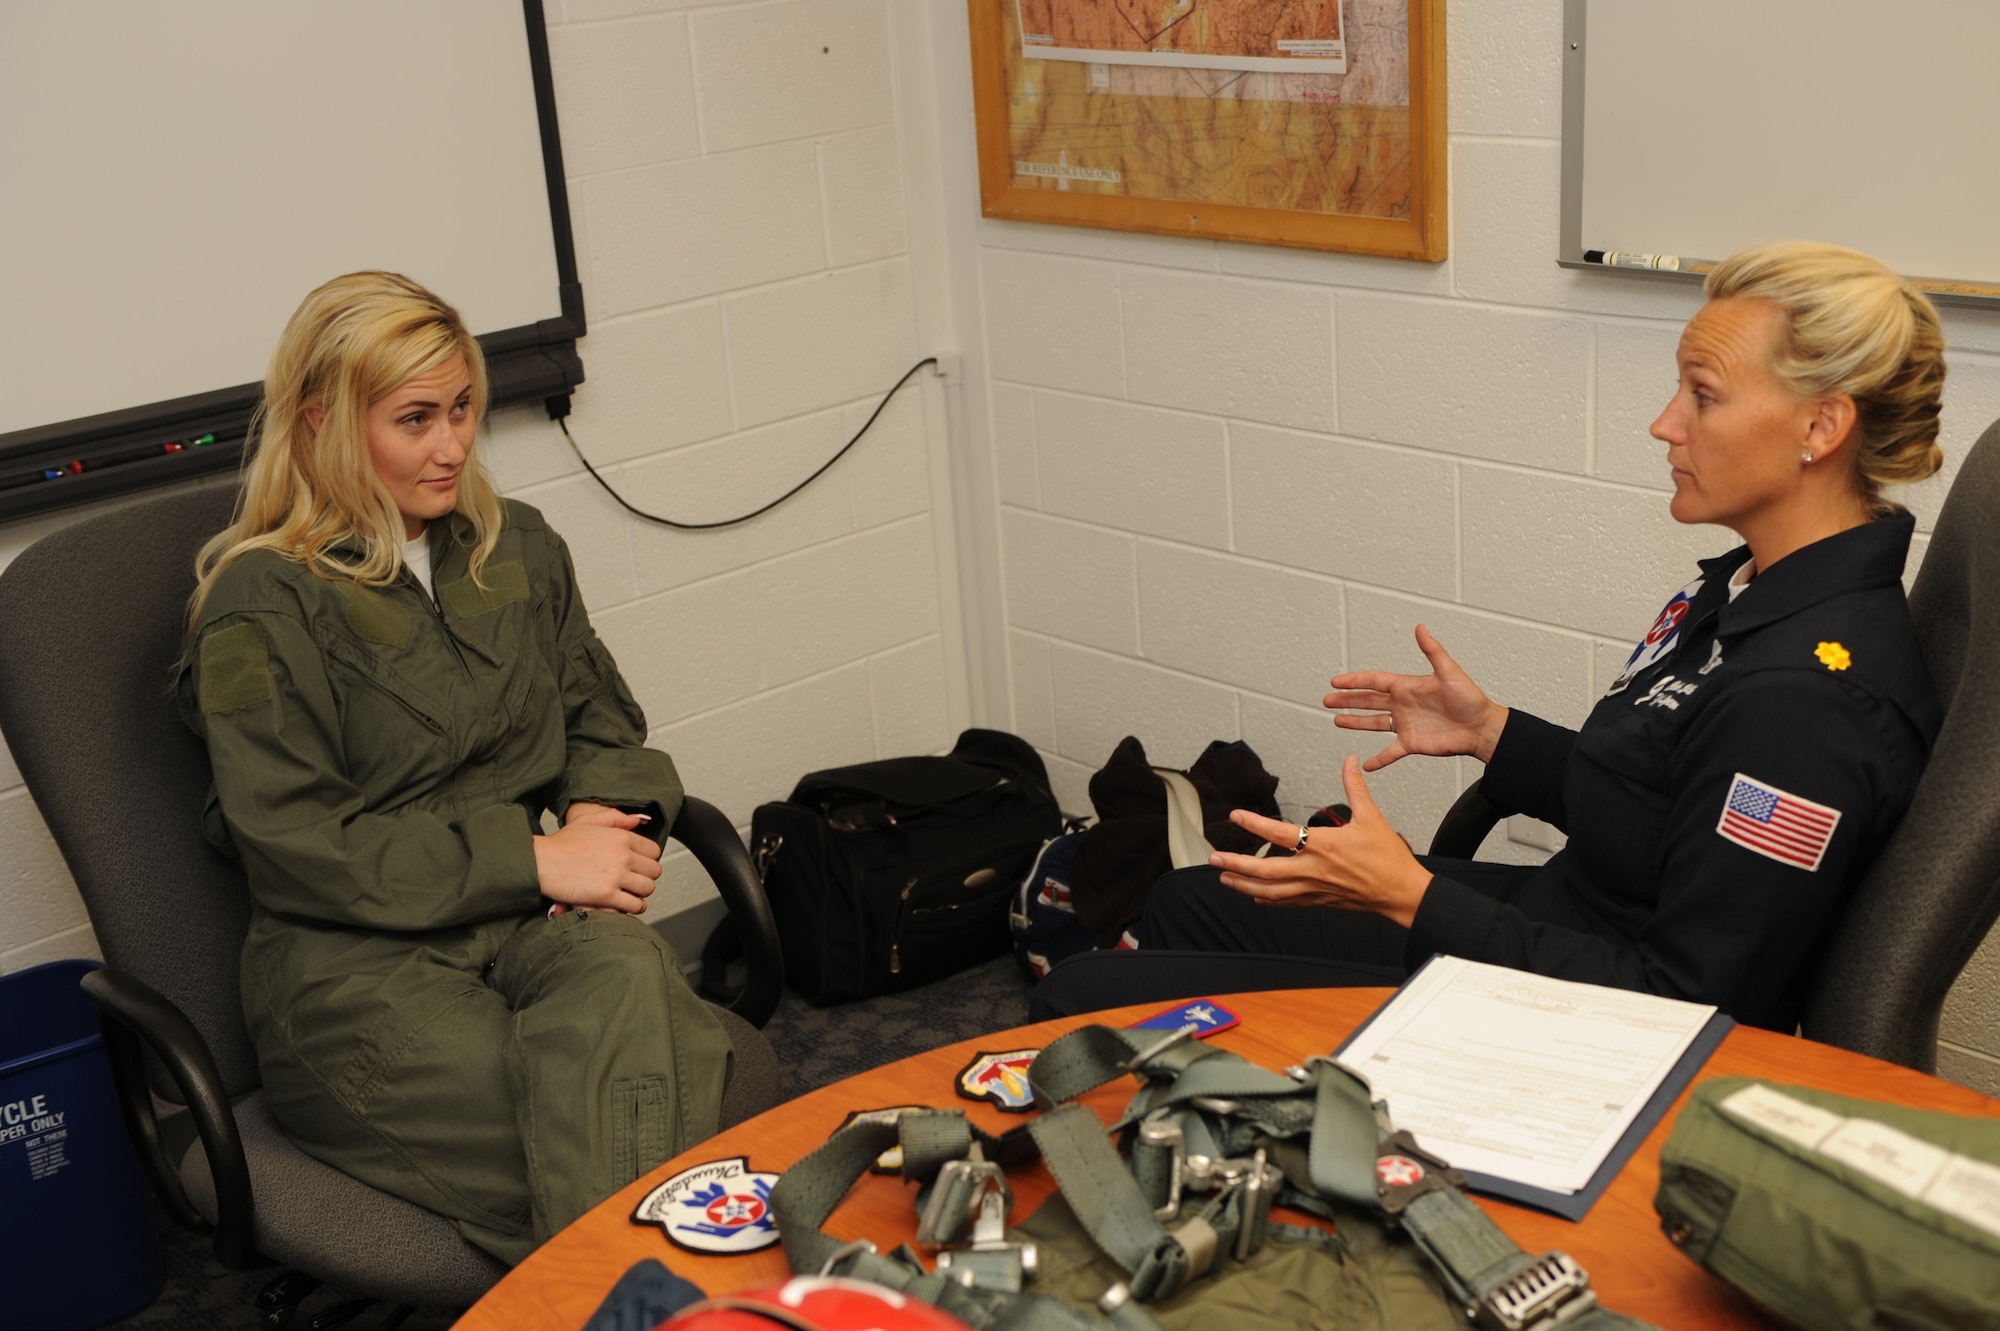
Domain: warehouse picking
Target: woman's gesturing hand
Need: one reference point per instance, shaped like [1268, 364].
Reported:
[1363, 866]
[598, 860]
[1442, 713]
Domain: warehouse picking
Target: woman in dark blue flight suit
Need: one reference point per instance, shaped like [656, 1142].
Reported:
[1759, 746]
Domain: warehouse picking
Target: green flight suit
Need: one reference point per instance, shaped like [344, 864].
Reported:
[381, 764]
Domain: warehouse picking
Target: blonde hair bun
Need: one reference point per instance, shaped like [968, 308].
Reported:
[1852, 326]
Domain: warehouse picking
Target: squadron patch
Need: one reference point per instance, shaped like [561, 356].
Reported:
[1207, 1018]
[1000, 1080]
[1660, 638]
[1398, 1171]
[891, 1160]
[1833, 656]
[720, 1208]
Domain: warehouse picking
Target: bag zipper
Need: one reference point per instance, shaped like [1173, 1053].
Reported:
[896, 943]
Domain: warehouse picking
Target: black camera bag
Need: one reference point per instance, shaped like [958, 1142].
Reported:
[889, 874]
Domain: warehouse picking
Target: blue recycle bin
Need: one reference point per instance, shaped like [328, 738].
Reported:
[77, 1242]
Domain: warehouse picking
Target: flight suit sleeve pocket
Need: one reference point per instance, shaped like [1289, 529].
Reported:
[235, 669]
[592, 661]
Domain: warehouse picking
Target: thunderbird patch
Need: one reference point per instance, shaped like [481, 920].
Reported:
[720, 1208]
[1000, 1080]
[1660, 639]
[1206, 1018]
[891, 1160]
[1399, 1171]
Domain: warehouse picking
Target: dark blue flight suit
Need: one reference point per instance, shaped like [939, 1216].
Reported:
[1720, 799]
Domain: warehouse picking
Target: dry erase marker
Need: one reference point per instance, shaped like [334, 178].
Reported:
[1626, 259]
[21, 478]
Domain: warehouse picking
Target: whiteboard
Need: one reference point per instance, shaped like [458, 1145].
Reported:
[1697, 128]
[174, 178]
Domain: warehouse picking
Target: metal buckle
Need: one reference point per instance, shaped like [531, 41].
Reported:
[991, 1262]
[958, 1197]
[852, 1248]
[1546, 1293]
[1160, 1046]
[1254, 1209]
[1166, 1135]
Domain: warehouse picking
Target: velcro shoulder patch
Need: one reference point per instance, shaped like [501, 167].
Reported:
[506, 583]
[235, 668]
[376, 618]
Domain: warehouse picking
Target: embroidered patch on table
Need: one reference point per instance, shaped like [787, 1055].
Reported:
[1833, 656]
[1206, 1017]
[1777, 824]
[1000, 1080]
[721, 1208]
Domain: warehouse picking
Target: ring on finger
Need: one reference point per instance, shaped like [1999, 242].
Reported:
[1301, 843]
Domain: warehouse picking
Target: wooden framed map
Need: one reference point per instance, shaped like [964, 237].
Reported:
[1315, 123]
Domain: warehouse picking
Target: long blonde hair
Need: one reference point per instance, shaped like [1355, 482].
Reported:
[1853, 326]
[307, 491]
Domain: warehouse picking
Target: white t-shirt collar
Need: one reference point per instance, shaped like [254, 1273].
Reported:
[417, 555]
[1741, 578]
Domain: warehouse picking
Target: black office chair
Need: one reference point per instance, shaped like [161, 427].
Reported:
[1916, 917]
[91, 622]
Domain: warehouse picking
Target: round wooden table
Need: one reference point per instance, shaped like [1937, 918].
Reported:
[1633, 1268]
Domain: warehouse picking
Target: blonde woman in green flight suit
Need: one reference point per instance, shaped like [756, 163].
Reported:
[395, 677]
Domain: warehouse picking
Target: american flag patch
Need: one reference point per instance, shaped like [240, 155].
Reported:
[1769, 821]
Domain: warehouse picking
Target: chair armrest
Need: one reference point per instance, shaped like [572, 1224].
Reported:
[1465, 825]
[712, 839]
[133, 1007]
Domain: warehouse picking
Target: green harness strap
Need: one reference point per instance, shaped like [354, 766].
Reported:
[809, 1191]
[1194, 1096]
[1499, 1284]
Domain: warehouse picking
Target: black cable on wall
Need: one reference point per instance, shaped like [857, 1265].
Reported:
[677, 525]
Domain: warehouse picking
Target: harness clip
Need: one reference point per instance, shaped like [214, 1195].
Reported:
[991, 1262]
[1159, 1159]
[1547, 1293]
[958, 1197]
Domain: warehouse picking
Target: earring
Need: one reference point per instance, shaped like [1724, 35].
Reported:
[1806, 458]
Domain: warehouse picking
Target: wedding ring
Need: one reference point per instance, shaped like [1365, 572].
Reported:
[1303, 830]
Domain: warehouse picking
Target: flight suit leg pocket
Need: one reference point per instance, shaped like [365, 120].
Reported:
[642, 1110]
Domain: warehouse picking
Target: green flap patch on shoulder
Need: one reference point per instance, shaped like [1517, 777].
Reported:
[505, 584]
[235, 668]
[376, 618]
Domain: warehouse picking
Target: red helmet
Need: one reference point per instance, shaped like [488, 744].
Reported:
[813, 1303]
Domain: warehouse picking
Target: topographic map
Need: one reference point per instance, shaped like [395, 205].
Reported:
[1100, 106]
[1276, 35]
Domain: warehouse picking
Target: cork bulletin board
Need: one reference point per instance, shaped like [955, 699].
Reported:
[1311, 123]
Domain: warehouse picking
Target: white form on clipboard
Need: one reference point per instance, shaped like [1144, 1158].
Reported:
[1516, 1075]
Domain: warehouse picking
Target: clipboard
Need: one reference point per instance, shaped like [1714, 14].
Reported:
[1575, 1205]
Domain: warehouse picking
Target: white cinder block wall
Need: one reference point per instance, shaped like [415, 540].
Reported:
[737, 193]
[1226, 472]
